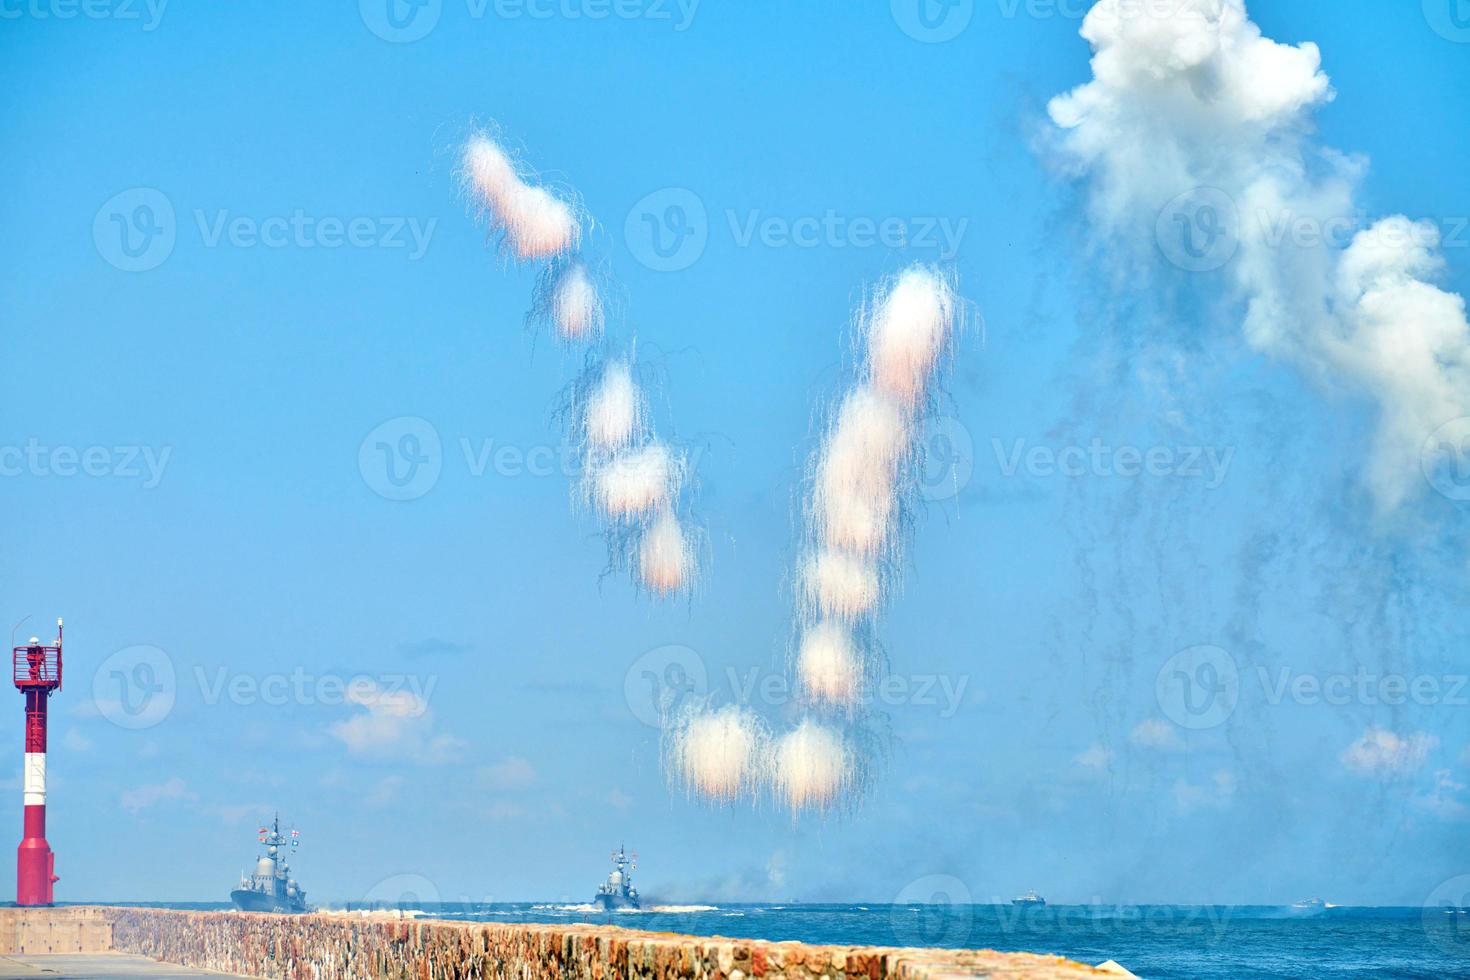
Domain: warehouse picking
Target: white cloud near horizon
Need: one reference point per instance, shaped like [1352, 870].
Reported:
[1189, 100]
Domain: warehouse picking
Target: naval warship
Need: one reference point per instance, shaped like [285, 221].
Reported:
[271, 888]
[618, 891]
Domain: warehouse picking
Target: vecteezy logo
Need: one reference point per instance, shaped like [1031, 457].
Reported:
[135, 230]
[659, 683]
[932, 21]
[402, 458]
[400, 21]
[1199, 687]
[1445, 459]
[1198, 231]
[135, 687]
[668, 229]
[1446, 915]
[1450, 19]
[935, 910]
[947, 458]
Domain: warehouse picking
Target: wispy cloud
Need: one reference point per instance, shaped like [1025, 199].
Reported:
[1382, 753]
[1219, 791]
[394, 725]
[143, 797]
[509, 774]
[1155, 733]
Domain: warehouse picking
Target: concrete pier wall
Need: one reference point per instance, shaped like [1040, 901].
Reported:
[335, 947]
[54, 930]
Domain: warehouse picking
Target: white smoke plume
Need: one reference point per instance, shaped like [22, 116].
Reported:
[842, 585]
[908, 333]
[611, 412]
[1192, 112]
[853, 497]
[535, 223]
[829, 664]
[568, 300]
[666, 555]
[814, 767]
[717, 755]
[637, 482]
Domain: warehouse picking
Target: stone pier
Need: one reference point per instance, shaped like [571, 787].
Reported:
[339, 947]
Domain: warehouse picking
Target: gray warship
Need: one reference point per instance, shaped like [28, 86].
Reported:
[271, 888]
[618, 891]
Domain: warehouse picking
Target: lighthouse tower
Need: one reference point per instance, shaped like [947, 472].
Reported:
[37, 674]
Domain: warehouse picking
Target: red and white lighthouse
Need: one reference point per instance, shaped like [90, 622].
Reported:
[37, 674]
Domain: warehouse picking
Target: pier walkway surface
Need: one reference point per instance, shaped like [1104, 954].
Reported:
[96, 966]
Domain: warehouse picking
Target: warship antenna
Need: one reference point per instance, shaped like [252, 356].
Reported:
[37, 675]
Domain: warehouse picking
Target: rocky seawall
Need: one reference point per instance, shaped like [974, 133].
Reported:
[336, 947]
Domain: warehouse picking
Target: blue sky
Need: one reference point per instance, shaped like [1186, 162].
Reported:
[234, 534]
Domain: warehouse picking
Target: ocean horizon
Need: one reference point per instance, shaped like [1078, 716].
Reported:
[1187, 942]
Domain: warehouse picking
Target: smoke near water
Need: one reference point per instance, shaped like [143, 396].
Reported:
[858, 490]
[632, 480]
[1194, 138]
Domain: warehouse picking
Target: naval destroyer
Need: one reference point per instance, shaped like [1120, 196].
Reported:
[618, 891]
[271, 888]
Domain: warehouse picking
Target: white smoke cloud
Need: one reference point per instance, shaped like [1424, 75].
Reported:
[535, 223]
[1197, 125]
[813, 766]
[719, 755]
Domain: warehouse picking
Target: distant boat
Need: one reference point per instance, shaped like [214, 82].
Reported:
[1030, 898]
[1309, 905]
[618, 891]
[271, 888]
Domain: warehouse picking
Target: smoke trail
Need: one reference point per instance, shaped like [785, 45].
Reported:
[860, 481]
[534, 223]
[853, 502]
[630, 478]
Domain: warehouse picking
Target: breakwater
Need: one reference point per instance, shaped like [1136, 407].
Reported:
[338, 947]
